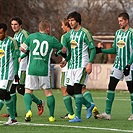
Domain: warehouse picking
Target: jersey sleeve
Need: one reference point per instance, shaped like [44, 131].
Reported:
[89, 40]
[16, 54]
[25, 44]
[66, 42]
[57, 44]
[25, 35]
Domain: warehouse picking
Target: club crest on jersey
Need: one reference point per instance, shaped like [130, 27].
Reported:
[2, 53]
[73, 44]
[120, 43]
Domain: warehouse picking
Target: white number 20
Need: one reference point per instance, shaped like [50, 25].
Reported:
[35, 51]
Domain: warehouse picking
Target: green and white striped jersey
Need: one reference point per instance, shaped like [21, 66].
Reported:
[40, 46]
[9, 59]
[123, 45]
[21, 37]
[79, 42]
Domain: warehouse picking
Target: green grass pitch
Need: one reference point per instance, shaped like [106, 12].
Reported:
[118, 124]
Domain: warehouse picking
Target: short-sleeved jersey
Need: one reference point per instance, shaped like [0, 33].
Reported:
[40, 46]
[123, 44]
[10, 49]
[21, 37]
[79, 42]
[64, 69]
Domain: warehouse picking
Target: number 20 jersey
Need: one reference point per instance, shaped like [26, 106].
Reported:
[40, 46]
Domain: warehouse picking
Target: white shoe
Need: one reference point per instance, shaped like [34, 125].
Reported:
[104, 115]
[11, 122]
[131, 117]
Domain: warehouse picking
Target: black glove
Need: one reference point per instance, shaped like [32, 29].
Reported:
[98, 50]
[64, 55]
[126, 70]
[16, 77]
[27, 52]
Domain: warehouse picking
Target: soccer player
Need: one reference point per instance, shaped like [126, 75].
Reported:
[123, 48]
[21, 35]
[9, 70]
[78, 41]
[40, 46]
[66, 97]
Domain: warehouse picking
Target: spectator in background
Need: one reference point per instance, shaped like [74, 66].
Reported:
[101, 57]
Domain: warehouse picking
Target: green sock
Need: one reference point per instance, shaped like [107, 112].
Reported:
[86, 103]
[14, 99]
[131, 97]
[78, 103]
[27, 101]
[68, 104]
[51, 105]
[35, 99]
[1, 104]
[9, 106]
[109, 101]
[87, 95]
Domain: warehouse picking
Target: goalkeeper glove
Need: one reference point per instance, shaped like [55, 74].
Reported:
[126, 70]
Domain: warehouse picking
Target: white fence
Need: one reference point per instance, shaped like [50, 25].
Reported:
[98, 79]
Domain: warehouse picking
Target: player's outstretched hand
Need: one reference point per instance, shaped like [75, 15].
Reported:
[63, 64]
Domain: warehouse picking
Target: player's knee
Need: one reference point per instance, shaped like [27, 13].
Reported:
[4, 95]
[13, 89]
[21, 89]
[48, 92]
[77, 88]
[70, 90]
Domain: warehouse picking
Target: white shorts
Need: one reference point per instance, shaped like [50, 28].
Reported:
[6, 84]
[37, 82]
[118, 74]
[76, 76]
[23, 64]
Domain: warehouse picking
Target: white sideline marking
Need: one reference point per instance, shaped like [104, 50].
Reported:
[121, 99]
[68, 126]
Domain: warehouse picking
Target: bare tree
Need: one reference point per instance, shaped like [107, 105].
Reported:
[99, 16]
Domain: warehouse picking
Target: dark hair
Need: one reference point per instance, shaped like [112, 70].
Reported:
[16, 18]
[124, 15]
[65, 20]
[75, 15]
[3, 26]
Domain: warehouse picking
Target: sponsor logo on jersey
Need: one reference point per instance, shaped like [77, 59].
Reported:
[2, 53]
[120, 43]
[73, 44]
